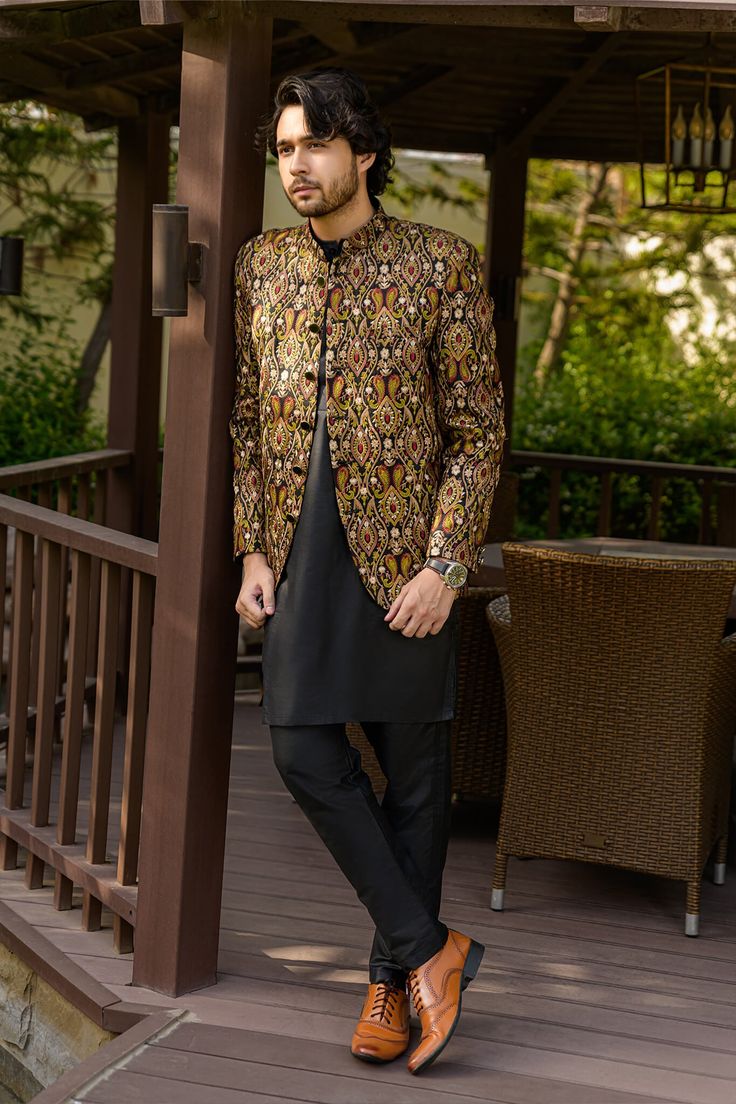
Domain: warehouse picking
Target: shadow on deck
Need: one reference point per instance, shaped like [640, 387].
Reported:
[588, 993]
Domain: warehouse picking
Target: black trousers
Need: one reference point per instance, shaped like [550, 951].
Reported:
[393, 853]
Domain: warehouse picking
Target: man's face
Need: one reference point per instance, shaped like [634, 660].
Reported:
[318, 176]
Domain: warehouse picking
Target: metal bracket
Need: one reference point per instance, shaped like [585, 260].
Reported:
[195, 262]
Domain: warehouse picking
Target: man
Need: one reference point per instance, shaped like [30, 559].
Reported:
[367, 433]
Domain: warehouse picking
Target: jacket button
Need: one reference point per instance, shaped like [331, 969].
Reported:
[298, 470]
[309, 375]
[314, 327]
[320, 281]
[305, 425]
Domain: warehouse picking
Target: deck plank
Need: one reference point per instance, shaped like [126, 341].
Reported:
[589, 993]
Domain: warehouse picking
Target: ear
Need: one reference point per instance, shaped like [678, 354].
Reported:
[365, 160]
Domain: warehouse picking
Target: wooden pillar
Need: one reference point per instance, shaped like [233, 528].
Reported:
[225, 90]
[503, 261]
[135, 362]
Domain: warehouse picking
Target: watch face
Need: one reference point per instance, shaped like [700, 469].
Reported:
[456, 575]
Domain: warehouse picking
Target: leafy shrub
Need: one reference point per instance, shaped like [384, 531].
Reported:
[623, 389]
[39, 373]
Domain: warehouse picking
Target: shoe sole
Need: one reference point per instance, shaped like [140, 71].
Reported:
[470, 969]
[376, 1061]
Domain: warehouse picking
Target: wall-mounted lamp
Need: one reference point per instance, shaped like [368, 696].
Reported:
[11, 266]
[176, 261]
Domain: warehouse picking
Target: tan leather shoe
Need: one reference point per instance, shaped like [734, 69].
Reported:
[436, 988]
[382, 1032]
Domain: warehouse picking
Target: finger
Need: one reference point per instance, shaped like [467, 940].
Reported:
[411, 626]
[252, 610]
[269, 600]
[395, 607]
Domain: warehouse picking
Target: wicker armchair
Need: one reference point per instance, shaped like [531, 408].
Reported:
[621, 700]
[479, 725]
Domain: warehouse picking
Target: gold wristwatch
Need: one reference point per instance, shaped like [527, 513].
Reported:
[454, 574]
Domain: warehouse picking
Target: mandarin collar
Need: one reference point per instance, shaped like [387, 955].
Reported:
[361, 238]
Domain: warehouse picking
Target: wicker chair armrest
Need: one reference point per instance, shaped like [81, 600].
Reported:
[498, 613]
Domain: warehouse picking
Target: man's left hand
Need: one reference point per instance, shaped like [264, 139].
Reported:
[423, 605]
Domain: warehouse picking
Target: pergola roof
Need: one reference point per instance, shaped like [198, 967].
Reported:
[462, 76]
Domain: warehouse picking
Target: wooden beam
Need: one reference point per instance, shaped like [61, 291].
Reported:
[503, 262]
[598, 17]
[664, 16]
[136, 336]
[335, 34]
[225, 82]
[43, 27]
[416, 81]
[549, 107]
[46, 82]
[161, 12]
[120, 68]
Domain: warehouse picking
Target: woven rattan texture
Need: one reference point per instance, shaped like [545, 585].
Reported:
[621, 698]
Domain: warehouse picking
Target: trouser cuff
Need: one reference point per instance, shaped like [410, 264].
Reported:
[396, 976]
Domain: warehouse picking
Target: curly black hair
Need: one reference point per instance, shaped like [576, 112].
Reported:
[336, 104]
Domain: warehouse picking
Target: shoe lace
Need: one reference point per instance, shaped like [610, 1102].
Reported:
[415, 992]
[385, 999]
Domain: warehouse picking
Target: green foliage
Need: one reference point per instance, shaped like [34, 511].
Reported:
[624, 390]
[47, 166]
[38, 396]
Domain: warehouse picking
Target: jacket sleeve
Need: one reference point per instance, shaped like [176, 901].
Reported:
[244, 425]
[469, 399]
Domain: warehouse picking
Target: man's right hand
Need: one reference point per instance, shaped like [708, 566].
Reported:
[256, 599]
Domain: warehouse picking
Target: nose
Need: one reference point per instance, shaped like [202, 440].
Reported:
[296, 163]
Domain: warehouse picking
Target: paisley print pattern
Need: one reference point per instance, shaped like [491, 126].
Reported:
[414, 397]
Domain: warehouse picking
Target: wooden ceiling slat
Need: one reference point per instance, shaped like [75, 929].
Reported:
[124, 66]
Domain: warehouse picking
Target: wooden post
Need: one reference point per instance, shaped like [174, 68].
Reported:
[503, 262]
[225, 88]
[135, 361]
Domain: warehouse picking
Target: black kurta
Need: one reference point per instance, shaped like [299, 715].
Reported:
[328, 654]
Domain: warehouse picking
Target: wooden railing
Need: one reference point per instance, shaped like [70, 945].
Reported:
[75, 485]
[716, 488]
[59, 770]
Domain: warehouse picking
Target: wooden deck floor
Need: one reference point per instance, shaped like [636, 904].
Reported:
[588, 994]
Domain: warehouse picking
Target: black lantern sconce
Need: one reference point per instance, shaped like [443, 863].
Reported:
[176, 262]
[11, 266]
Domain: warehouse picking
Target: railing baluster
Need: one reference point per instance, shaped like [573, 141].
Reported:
[726, 514]
[43, 492]
[654, 508]
[553, 510]
[135, 734]
[83, 496]
[604, 505]
[48, 625]
[103, 733]
[706, 498]
[20, 649]
[73, 717]
[94, 588]
[64, 506]
[3, 585]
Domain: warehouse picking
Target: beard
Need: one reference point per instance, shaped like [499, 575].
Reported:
[338, 194]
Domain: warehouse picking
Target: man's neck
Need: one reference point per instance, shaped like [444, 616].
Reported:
[343, 223]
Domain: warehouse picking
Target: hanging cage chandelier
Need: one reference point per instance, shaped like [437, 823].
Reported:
[693, 101]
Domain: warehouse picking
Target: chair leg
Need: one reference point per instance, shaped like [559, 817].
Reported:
[692, 910]
[719, 866]
[499, 881]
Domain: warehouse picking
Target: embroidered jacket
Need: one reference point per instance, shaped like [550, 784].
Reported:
[414, 398]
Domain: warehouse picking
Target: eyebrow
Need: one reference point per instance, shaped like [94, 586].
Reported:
[304, 138]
